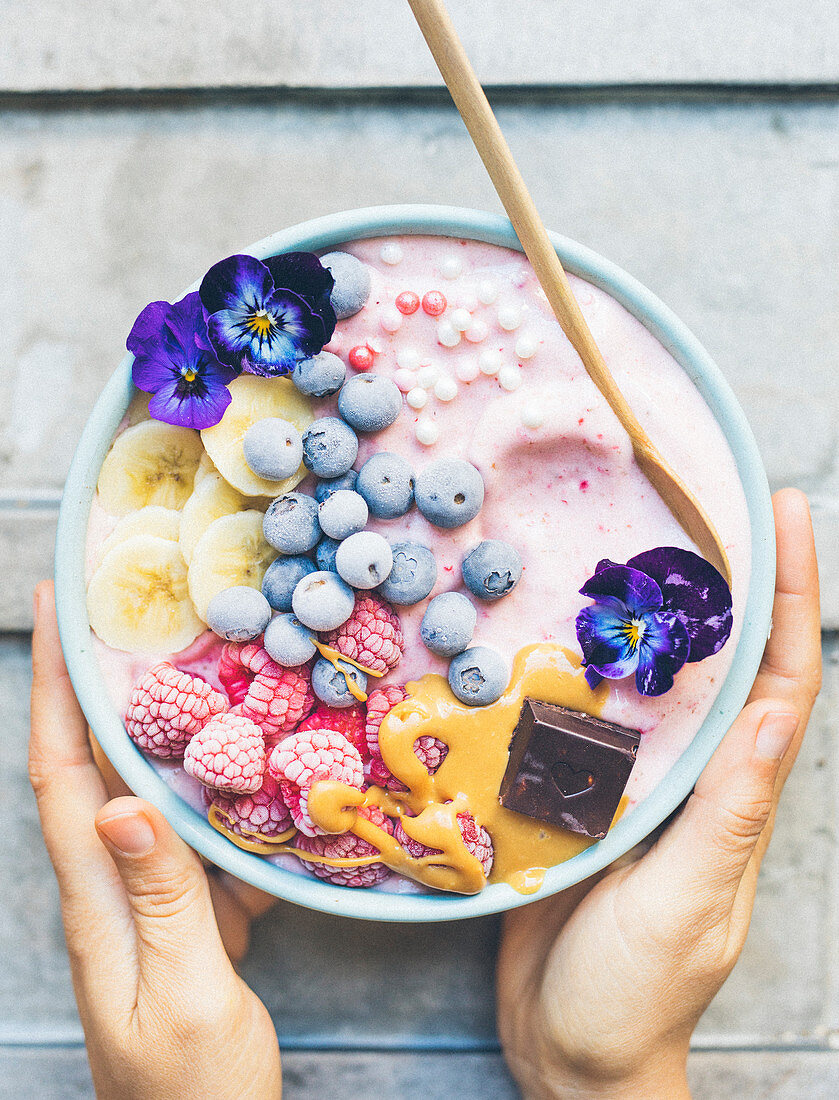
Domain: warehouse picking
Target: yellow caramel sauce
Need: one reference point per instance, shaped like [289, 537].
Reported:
[468, 781]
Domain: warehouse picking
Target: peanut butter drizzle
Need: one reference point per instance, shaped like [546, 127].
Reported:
[467, 781]
[334, 656]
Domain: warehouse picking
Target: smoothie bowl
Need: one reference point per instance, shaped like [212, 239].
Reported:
[366, 592]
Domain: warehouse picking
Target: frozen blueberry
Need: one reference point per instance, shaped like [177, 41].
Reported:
[273, 448]
[364, 560]
[281, 578]
[288, 642]
[492, 569]
[369, 402]
[238, 614]
[449, 492]
[386, 481]
[342, 514]
[291, 523]
[319, 376]
[330, 683]
[478, 676]
[325, 552]
[329, 447]
[322, 601]
[412, 576]
[333, 484]
[448, 624]
[352, 283]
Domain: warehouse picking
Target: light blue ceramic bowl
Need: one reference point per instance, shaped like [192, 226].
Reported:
[322, 234]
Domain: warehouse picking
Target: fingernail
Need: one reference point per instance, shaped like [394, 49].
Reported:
[130, 834]
[774, 735]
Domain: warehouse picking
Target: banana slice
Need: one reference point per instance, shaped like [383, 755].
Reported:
[138, 408]
[150, 463]
[254, 399]
[231, 551]
[138, 598]
[205, 466]
[211, 499]
[163, 523]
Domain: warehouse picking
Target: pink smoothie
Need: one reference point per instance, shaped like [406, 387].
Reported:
[495, 381]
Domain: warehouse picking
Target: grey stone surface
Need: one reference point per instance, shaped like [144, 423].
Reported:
[27, 538]
[826, 528]
[370, 43]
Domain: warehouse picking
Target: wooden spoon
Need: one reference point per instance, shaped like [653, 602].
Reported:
[474, 108]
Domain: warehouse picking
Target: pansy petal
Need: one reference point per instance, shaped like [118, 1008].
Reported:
[693, 590]
[593, 678]
[240, 283]
[639, 592]
[239, 346]
[151, 370]
[602, 635]
[301, 272]
[148, 325]
[604, 563]
[662, 652]
[189, 411]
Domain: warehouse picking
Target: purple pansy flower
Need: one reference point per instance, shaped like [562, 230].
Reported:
[263, 317]
[663, 608]
[174, 361]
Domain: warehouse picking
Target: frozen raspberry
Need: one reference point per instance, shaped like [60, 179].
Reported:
[371, 635]
[262, 812]
[274, 697]
[228, 753]
[305, 758]
[347, 720]
[475, 837]
[169, 707]
[431, 751]
[347, 846]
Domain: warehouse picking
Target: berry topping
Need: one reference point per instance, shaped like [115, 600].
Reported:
[329, 447]
[430, 751]
[434, 303]
[448, 624]
[361, 357]
[386, 481]
[477, 840]
[352, 283]
[351, 721]
[339, 684]
[333, 484]
[364, 560]
[288, 642]
[380, 703]
[325, 552]
[278, 697]
[413, 574]
[305, 758]
[228, 753]
[492, 569]
[347, 846]
[407, 302]
[262, 813]
[449, 492]
[282, 577]
[238, 614]
[342, 514]
[372, 635]
[478, 676]
[322, 601]
[167, 708]
[319, 376]
[291, 523]
[369, 402]
[273, 447]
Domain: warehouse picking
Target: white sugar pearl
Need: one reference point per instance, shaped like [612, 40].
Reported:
[416, 398]
[408, 358]
[487, 292]
[447, 335]
[526, 346]
[490, 361]
[477, 332]
[451, 267]
[426, 376]
[391, 320]
[461, 319]
[532, 416]
[404, 379]
[426, 431]
[445, 388]
[391, 253]
[467, 370]
[509, 317]
[509, 378]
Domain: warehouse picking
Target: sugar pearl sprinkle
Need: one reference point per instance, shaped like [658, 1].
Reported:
[427, 375]
[417, 397]
[426, 431]
[391, 320]
[509, 316]
[467, 370]
[532, 416]
[490, 361]
[509, 378]
[391, 254]
[448, 335]
[408, 358]
[451, 267]
[487, 292]
[526, 346]
[477, 332]
[461, 319]
[445, 388]
[405, 380]
[407, 302]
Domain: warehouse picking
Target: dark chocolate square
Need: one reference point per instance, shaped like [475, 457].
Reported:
[567, 768]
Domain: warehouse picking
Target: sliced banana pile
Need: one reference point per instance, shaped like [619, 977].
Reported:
[190, 520]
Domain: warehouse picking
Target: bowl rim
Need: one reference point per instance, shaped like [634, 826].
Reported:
[320, 234]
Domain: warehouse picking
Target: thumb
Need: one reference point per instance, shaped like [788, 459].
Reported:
[705, 852]
[167, 891]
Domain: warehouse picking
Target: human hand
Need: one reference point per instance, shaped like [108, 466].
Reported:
[601, 987]
[164, 1013]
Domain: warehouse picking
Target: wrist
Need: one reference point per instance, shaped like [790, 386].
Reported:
[659, 1079]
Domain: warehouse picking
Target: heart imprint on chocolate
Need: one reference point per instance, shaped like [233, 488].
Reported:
[570, 781]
